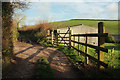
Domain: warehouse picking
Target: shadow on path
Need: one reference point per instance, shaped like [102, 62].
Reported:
[24, 66]
[36, 53]
[24, 50]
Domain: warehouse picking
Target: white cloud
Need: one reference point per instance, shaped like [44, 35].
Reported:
[112, 10]
[69, 10]
[112, 7]
[31, 20]
[44, 9]
[96, 10]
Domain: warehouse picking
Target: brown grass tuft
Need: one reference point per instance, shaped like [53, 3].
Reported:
[42, 26]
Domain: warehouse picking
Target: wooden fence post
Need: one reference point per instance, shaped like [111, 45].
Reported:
[69, 38]
[86, 49]
[79, 45]
[48, 33]
[52, 36]
[57, 38]
[101, 41]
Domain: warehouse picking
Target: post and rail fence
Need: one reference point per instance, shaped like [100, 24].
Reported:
[56, 37]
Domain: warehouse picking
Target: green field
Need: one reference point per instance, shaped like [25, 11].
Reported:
[110, 26]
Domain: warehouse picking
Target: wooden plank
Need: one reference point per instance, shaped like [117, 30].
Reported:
[101, 42]
[90, 57]
[63, 43]
[64, 37]
[63, 33]
[63, 40]
[92, 46]
[92, 35]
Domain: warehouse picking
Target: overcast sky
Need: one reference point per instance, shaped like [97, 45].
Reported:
[65, 10]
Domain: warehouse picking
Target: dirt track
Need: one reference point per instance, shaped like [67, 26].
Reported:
[26, 56]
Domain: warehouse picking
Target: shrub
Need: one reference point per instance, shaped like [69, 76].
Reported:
[7, 41]
[36, 33]
[109, 39]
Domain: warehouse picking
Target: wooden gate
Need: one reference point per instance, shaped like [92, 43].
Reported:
[57, 37]
[64, 38]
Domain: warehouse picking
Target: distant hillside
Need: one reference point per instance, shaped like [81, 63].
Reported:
[111, 26]
[95, 19]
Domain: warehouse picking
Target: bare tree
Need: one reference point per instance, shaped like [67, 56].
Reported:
[18, 17]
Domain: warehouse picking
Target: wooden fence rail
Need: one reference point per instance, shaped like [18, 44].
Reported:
[92, 46]
[100, 48]
[96, 60]
[92, 35]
